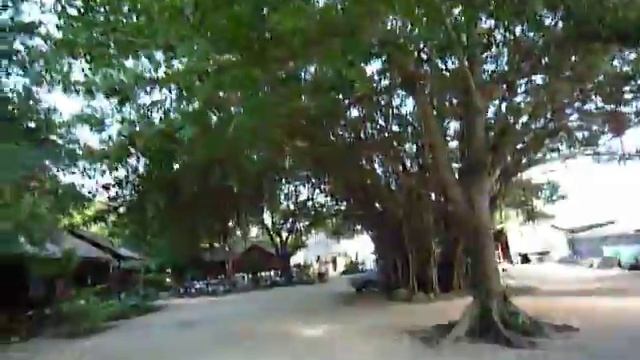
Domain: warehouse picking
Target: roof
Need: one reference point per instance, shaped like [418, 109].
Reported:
[584, 228]
[612, 231]
[106, 245]
[12, 244]
[257, 259]
[66, 241]
[259, 248]
[96, 239]
[54, 247]
[218, 254]
[46, 250]
[130, 254]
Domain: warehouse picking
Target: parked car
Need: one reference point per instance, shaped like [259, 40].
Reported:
[368, 280]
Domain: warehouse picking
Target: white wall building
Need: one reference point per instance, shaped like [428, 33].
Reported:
[319, 245]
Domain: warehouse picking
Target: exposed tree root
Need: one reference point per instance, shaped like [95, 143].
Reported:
[498, 322]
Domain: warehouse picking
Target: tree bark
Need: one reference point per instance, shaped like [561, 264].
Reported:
[492, 317]
[485, 278]
[411, 284]
[285, 271]
[459, 265]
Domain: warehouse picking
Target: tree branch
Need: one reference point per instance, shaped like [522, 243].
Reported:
[464, 61]
[473, 149]
[435, 143]
[270, 234]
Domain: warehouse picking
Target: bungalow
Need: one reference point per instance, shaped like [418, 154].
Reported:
[257, 259]
[31, 276]
[216, 261]
[124, 270]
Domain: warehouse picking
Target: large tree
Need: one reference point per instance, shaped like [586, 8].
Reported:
[409, 108]
[33, 199]
[293, 207]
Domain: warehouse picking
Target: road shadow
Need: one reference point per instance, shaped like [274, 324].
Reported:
[380, 299]
[366, 298]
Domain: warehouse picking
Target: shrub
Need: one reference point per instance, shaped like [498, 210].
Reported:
[158, 282]
[127, 309]
[303, 274]
[81, 316]
[352, 267]
[87, 314]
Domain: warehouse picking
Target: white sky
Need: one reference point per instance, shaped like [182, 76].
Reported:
[596, 192]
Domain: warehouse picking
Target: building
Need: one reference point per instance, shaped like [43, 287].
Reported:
[33, 276]
[613, 240]
[257, 259]
[334, 253]
[596, 193]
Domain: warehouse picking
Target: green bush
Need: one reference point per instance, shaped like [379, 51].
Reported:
[87, 314]
[128, 309]
[352, 267]
[303, 274]
[158, 282]
[81, 316]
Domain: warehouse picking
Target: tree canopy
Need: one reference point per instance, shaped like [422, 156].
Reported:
[417, 115]
[32, 197]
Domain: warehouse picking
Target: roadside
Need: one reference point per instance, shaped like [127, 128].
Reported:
[330, 321]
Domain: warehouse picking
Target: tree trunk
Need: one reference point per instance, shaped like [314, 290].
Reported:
[229, 270]
[409, 252]
[285, 271]
[285, 265]
[485, 278]
[426, 271]
[491, 317]
[459, 265]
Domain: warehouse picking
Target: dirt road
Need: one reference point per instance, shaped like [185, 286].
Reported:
[329, 321]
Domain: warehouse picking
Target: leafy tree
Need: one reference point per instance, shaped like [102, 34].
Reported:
[32, 197]
[419, 114]
[296, 207]
[522, 195]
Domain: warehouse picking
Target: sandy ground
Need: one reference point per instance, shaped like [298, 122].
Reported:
[329, 321]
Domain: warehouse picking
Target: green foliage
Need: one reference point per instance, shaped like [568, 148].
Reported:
[87, 313]
[399, 109]
[550, 192]
[524, 195]
[32, 197]
[304, 274]
[157, 282]
[292, 209]
[128, 309]
[81, 316]
[353, 267]
[52, 267]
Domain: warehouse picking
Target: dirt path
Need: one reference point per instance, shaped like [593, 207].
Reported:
[329, 321]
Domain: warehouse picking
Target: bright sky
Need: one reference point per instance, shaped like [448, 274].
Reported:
[596, 192]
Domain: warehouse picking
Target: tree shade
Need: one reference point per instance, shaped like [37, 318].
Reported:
[416, 116]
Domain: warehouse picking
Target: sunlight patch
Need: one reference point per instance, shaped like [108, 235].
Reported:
[312, 330]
